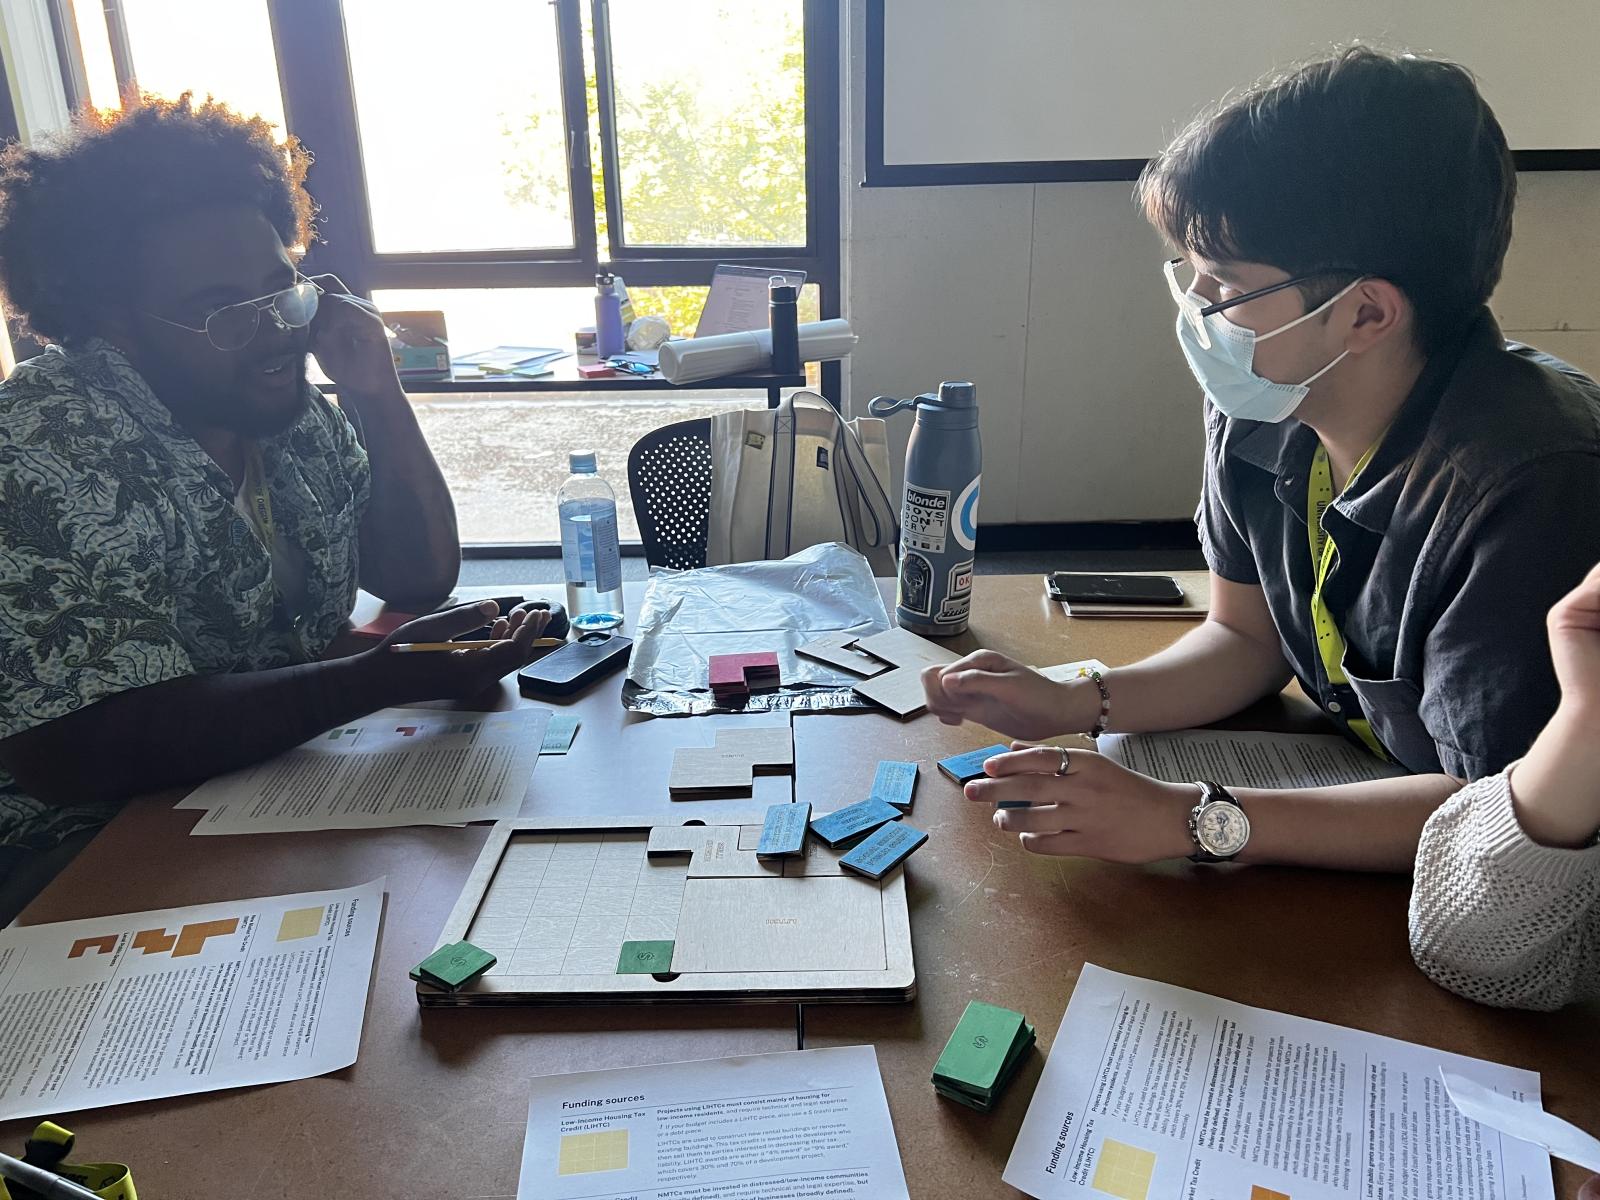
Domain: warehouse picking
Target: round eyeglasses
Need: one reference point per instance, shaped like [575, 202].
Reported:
[234, 326]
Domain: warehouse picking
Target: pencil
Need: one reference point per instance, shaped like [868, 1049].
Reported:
[431, 647]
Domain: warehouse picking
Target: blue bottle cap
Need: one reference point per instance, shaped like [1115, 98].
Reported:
[592, 622]
[581, 462]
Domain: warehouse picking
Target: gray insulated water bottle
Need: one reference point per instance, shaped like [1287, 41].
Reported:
[939, 522]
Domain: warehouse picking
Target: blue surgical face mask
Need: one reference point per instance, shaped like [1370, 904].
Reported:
[1224, 369]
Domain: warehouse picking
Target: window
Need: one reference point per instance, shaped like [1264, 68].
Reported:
[487, 158]
[169, 47]
[453, 141]
[490, 117]
[707, 113]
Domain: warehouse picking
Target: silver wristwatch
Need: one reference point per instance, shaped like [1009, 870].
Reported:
[1217, 825]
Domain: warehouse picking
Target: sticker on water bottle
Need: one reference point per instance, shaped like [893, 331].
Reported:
[916, 584]
[964, 527]
[925, 521]
[958, 599]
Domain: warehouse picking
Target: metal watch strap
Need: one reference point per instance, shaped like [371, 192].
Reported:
[1210, 793]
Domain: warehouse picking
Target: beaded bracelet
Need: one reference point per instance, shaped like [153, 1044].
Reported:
[1104, 720]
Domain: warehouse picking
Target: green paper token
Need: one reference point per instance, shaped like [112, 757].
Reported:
[645, 958]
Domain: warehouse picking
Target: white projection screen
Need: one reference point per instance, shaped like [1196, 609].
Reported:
[976, 90]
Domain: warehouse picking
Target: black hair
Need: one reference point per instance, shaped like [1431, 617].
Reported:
[71, 208]
[1366, 163]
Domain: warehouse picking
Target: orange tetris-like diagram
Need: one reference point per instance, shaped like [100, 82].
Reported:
[189, 940]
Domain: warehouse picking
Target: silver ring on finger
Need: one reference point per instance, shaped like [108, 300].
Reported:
[1066, 760]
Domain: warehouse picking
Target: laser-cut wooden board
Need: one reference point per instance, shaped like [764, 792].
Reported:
[554, 907]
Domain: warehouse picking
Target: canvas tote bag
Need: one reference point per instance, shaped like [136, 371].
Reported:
[798, 475]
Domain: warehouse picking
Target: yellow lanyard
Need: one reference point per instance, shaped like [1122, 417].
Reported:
[259, 499]
[48, 1149]
[1330, 642]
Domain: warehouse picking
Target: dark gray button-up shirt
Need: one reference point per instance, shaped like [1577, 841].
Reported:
[1478, 512]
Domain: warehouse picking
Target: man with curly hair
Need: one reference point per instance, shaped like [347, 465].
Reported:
[184, 519]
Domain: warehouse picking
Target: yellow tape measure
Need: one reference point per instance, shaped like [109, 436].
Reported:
[48, 1149]
[1330, 642]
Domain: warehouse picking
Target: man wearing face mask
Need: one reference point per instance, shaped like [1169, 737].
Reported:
[1393, 495]
[184, 520]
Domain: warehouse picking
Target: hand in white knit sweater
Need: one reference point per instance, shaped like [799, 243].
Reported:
[1506, 905]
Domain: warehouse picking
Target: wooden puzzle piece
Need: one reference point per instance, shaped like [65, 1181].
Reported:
[835, 650]
[768, 747]
[731, 764]
[900, 690]
[735, 675]
[750, 925]
[713, 850]
[903, 648]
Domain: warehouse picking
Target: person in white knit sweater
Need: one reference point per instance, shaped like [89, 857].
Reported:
[1505, 908]
[1506, 902]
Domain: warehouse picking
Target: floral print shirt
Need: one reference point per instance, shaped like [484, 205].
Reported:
[124, 561]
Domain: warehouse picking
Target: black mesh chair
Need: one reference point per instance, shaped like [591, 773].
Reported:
[669, 477]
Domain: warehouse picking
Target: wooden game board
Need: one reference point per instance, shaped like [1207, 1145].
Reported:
[556, 906]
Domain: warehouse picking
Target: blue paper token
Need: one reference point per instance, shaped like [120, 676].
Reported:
[884, 850]
[851, 822]
[896, 784]
[964, 768]
[784, 831]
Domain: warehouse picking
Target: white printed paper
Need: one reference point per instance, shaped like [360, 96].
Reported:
[1522, 1119]
[1260, 760]
[400, 766]
[761, 1127]
[1154, 1091]
[137, 1007]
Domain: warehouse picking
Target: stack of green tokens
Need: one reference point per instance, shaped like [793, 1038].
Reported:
[982, 1055]
[452, 967]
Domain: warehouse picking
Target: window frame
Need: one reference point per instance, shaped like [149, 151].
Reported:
[312, 54]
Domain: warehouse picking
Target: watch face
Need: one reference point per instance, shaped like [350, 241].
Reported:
[1222, 828]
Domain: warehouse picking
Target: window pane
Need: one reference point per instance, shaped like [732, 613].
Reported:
[203, 46]
[710, 109]
[99, 71]
[462, 132]
[505, 456]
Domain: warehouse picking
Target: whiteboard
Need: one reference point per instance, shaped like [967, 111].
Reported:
[1034, 81]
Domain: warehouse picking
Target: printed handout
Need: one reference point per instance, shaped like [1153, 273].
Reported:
[401, 766]
[805, 1123]
[1154, 1091]
[111, 1010]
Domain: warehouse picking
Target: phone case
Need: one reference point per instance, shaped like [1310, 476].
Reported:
[1077, 595]
[575, 665]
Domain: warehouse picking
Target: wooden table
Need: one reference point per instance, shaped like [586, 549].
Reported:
[436, 1102]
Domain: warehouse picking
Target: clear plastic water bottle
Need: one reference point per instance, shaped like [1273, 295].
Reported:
[591, 556]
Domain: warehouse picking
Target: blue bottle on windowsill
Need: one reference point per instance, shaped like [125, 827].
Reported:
[607, 316]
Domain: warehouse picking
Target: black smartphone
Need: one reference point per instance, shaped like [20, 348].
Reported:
[572, 667]
[1077, 588]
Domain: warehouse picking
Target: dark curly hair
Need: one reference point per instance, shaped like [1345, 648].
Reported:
[71, 208]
